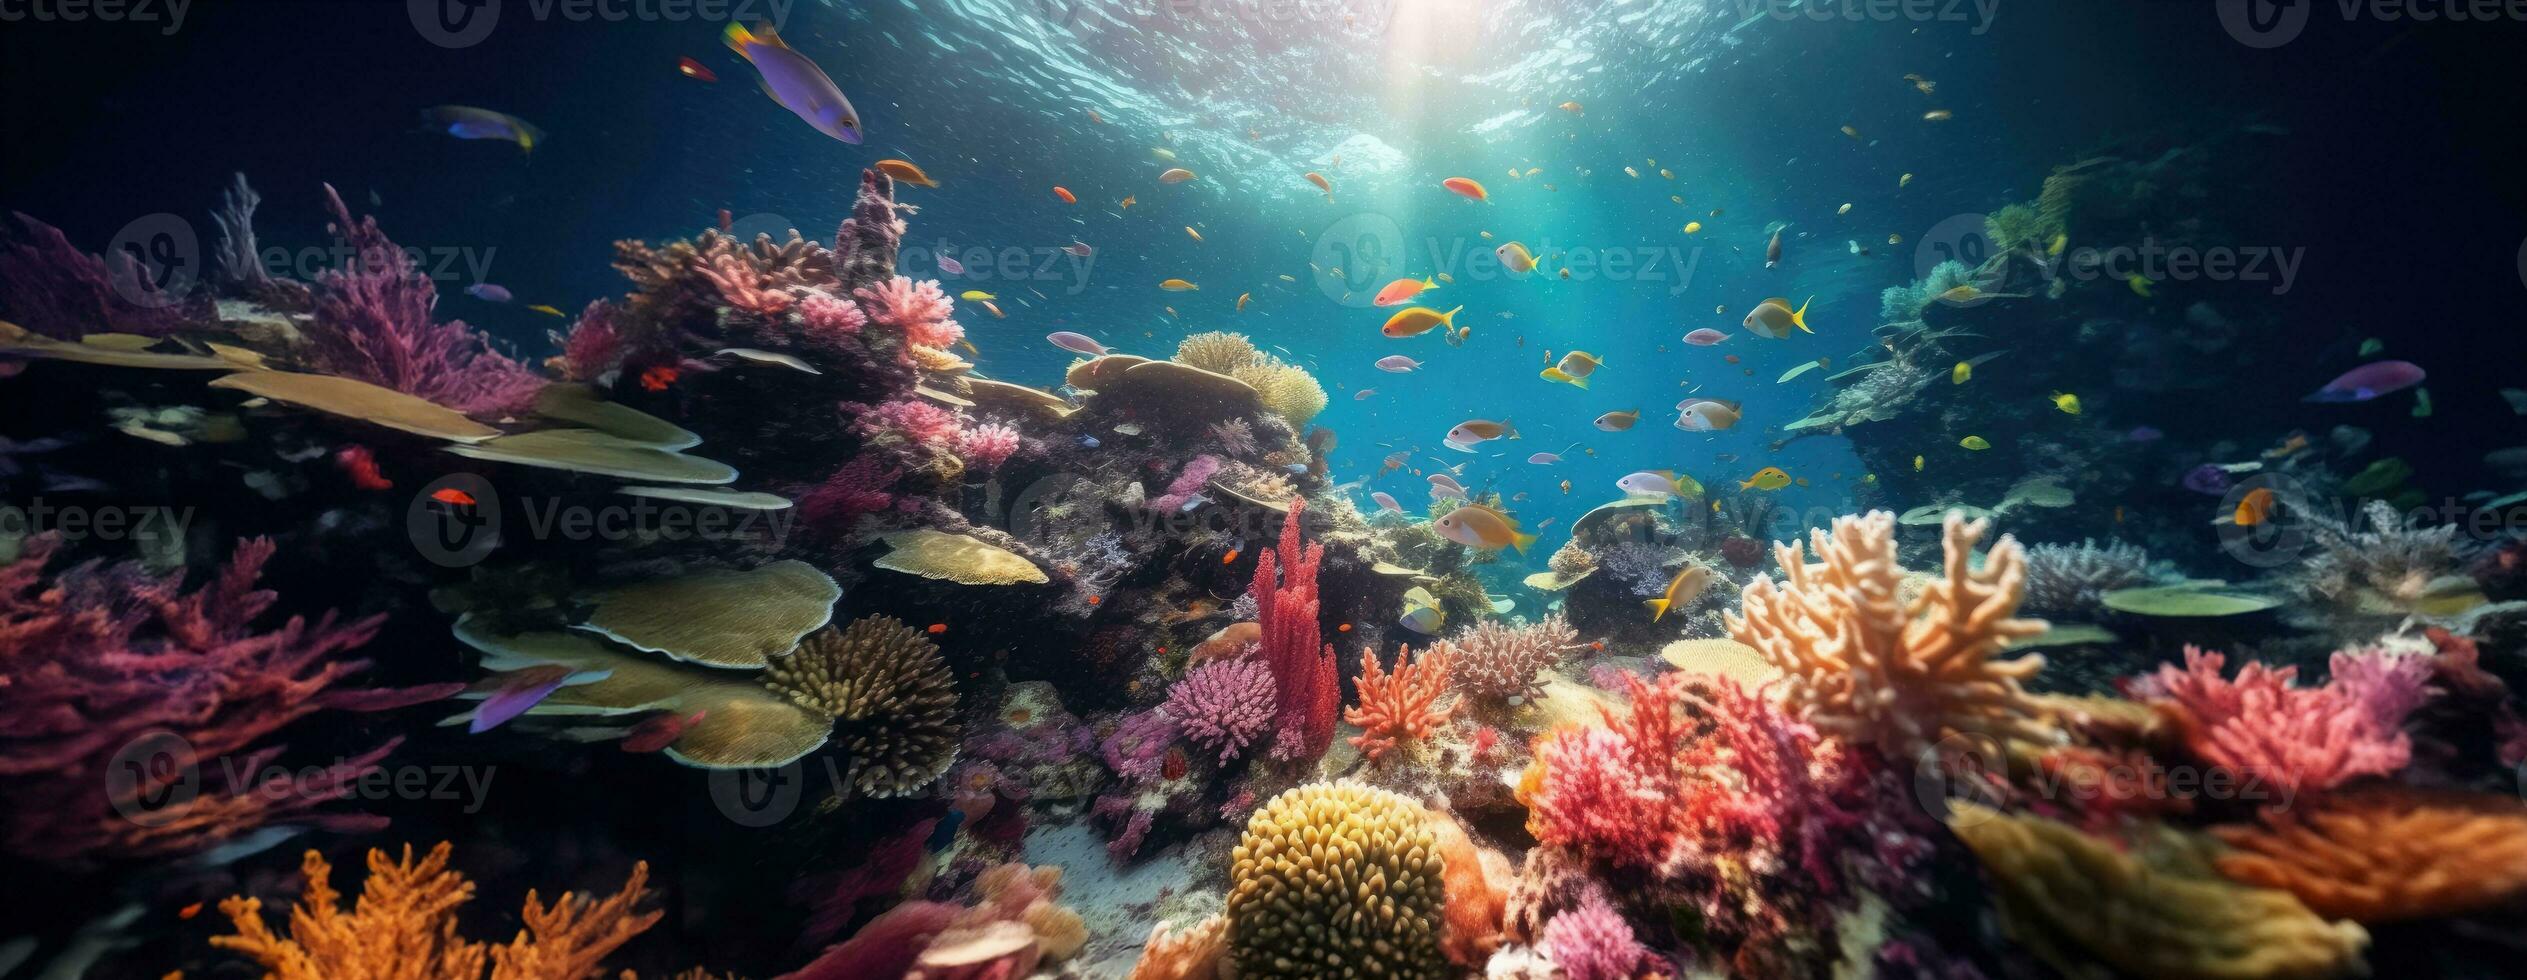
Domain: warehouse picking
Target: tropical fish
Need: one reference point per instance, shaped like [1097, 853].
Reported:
[1197, 236]
[658, 378]
[2067, 402]
[1321, 184]
[489, 293]
[2140, 284]
[1162, 153]
[2369, 381]
[1634, 174]
[1937, 115]
[995, 312]
[1618, 421]
[1768, 478]
[1917, 464]
[1851, 132]
[1705, 337]
[1076, 343]
[1693, 227]
[1386, 501]
[975, 296]
[1515, 257]
[1175, 175]
[2059, 242]
[469, 123]
[1414, 321]
[1473, 432]
[1976, 443]
[695, 70]
[1363, 394]
[1178, 286]
[452, 497]
[1707, 415]
[1402, 289]
[1425, 620]
[1658, 483]
[1962, 373]
[905, 171]
[1479, 527]
[1079, 249]
[1573, 108]
[1065, 194]
[548, 310]
[1903, 180]
[2255, 508]
[518, 691]
[1845, 209]
[1574, 369]
[1397, 364]
[1467, 187]
[1128, 201]
[1242, 299]
[1924, 85]
[1681, 591]
[1960, 293]
[795, 82]
[1774, 318]
[1772, 249]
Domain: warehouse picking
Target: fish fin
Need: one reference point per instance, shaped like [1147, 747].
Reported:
[736, 36]
[1581, 383]
[1658, 609]
[1556, 374]
[1798, 317]
[1450, 317]
[1522, 542]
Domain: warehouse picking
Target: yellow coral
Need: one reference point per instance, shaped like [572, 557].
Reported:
[1336, 880]
[2078, 901]
[404, 928]
[1865, 664]
[1286, 389]
[1217, 350]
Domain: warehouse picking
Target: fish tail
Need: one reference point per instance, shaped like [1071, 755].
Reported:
[737, 37]
[1798, 317]
[1658, 609]
[1450, 317]
[1508, 430]
[1522, 542]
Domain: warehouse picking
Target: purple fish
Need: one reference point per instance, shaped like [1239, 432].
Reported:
[1705, 337]
[950, 266]
[489, 293]
[1076, 343]
[2368, 381]
[2143, 433]
[469, 123]
[1363, 394]
[1397, 364]
[796, 83]
[518, 692]
[1386, 501]
[2208, 478]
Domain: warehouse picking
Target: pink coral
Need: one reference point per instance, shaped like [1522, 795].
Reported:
[104, 669]
[51, 287]
[1196, 475]
[862, 486]
[1306, 685]
[2291, 739]
[1501, 662]
[594, 345]
[827, 315]
[920, 311]
[1590, 941]
[742, 285]
[907, 419]
[373, 324]
[1223, 705]
[988, 445]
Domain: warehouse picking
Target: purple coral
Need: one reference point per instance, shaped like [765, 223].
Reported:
[1590, 941]
[1190, 481]
[594, 345]
[51, 287]
[987, 446]
[373, 324]
[921, 311]
[862, 486]
[1223, 705]
[1137, 751]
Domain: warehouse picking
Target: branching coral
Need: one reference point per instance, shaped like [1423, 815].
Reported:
[594, 346]
[404, 927]
[1223, 705]
[2293, 740]
[106, 672]
[1401, 705]
[2153, 912]
[1499, 662]
[373, 324]
[2388, 854]
[863, 486]
[1235, 437]
[892, 698]
[2065, 578]
[1193, 954]
[920, 311]
[1590, 941]
[1863, 664]
[987, 446]
[1306, 687]
[1336, 881]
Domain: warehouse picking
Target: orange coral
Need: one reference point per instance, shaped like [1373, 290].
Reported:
[1402, 704]
[404, 927]
[1477, 899]
[1193, 954]
[2388, 853]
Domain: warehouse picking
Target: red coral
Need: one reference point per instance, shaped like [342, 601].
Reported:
[862, 486]
[373, 324]
[920, 311]
[594, 346]
[107, 675]
[1306, 685]
[2261, 726]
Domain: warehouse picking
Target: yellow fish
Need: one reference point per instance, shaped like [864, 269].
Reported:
[1962, 373]
[1574, 370]
[1773, 318]
[1413, 321]
[1904, 180]
[1482, 528]
[1241, 301]
[1693, 227]
[1681, 591]
[2058, 242]
[2140, 284]
[1197, 236]
[1178, 286]
[1853, 133]
[2067, 402]
[975, 296]
[1515, 257]
[547, 310]
[1895, 239]
[1960, 294]
[1768, 478]
[1917, 464]
[1635, 174]
[1976, 443]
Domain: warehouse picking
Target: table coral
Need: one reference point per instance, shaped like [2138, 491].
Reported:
[1864, 664]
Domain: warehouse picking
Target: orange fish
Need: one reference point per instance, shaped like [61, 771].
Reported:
[905, 171]
[1344, 628]
[2255, 508]
[453, 497]
[938, 628]
[1095, 118]
[1230, 558]
[658, 378]
[1403, 289]
[1130, 200]
[1065, 194]
[189, 911]
[995, 310]
[1095, 600]
[695, 70]
[1468, 187]
[1732, 358]
[1241, 301]
[1175, 175]
[1321, 184]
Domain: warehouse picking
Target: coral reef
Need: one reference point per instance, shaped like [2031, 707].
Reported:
[373, 323]
[1307, 689]
[2291, 740]
[1504, 663]
[1223, 705]
[1401, 705]
[893, 703]
[2387, 854]
[2070, 579]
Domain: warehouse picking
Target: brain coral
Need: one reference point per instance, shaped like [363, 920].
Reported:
[1336, 880]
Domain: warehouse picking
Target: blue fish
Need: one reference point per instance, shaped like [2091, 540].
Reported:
[1090, 442]
[469, 123]
[489, 293]
[795, 82]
